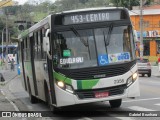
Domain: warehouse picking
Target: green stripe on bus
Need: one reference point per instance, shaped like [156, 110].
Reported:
[59, 76]
[86, 84]
[68, 81]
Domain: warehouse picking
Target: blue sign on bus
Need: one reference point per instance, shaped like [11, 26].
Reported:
[103, 60]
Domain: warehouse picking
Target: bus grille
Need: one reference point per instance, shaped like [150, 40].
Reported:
[116, 90]
[90, 73]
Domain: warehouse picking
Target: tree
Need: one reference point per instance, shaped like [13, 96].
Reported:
[63, 5]
[129, 3]
[83, 1]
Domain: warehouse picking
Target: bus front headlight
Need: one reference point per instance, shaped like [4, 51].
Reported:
[131, 79]
[134, 76]
[65, 87]
[60, 84]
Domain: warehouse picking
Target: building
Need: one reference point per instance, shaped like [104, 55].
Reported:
[151, 31]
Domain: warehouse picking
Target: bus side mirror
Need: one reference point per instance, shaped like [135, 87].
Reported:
[46, 45]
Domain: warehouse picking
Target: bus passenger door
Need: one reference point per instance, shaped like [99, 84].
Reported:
[21, 56]
[49, 69]
[32, 43]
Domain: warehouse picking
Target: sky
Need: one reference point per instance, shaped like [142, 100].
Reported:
[21, 2]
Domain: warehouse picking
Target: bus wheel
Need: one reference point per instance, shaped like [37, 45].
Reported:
[31, 97]
[115, 103]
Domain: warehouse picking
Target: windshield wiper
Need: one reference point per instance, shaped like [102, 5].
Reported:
[78, 35]
[107, 40]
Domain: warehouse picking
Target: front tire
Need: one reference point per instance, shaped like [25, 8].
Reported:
[115, 103]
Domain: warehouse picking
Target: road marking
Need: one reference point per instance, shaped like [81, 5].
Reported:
[85, 118]
[142, 100]
[137, 108]
[157, 104]
[30, 107]
[124, 118]
[2, 93]
[14, 105]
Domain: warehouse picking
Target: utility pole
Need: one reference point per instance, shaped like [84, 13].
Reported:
[141, 29]
[6, 61]
[2, 42]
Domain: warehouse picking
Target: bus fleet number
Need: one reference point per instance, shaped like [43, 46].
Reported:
[119, 81]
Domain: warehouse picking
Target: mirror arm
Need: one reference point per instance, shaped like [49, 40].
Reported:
[47, 32]
[48, 54]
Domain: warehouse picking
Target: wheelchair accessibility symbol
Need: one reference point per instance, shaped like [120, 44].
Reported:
[103, 59]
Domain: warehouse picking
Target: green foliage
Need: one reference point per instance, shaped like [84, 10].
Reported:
[63, 5]
[128, 3]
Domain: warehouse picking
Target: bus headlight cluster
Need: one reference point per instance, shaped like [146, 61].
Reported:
[60, 84]
[64, 86]
[132, 79]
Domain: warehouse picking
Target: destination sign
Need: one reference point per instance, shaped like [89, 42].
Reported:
[97, 16]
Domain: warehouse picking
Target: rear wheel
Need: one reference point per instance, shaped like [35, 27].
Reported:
[149, 74]
[115, 103]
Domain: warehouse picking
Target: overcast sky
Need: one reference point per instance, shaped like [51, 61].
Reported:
[21, 2]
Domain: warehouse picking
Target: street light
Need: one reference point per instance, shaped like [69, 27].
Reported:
[141, 29]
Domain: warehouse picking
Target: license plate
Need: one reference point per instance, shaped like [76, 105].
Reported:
[101, 94]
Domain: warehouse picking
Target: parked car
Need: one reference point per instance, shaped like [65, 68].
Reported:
[144, 66]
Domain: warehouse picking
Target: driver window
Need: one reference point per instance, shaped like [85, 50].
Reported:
[126, 38]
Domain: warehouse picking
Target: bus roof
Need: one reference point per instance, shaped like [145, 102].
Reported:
[91, 9]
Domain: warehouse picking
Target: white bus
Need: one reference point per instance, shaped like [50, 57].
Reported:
[80, 56]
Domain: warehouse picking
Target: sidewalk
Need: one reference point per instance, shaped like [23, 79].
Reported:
[5, 103]
[8, 74]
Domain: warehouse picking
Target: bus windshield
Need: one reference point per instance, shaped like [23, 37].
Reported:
[70, 52]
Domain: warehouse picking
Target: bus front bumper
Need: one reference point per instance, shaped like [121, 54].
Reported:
[64, 98]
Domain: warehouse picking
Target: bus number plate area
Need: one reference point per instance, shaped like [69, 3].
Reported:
[101, 94]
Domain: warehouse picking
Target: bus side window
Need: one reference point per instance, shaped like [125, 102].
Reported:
[35, 45]
[43, 54]
[24, 49]
[126, 41]
[39, 46]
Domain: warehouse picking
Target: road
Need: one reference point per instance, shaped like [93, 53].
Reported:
[148, 101]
